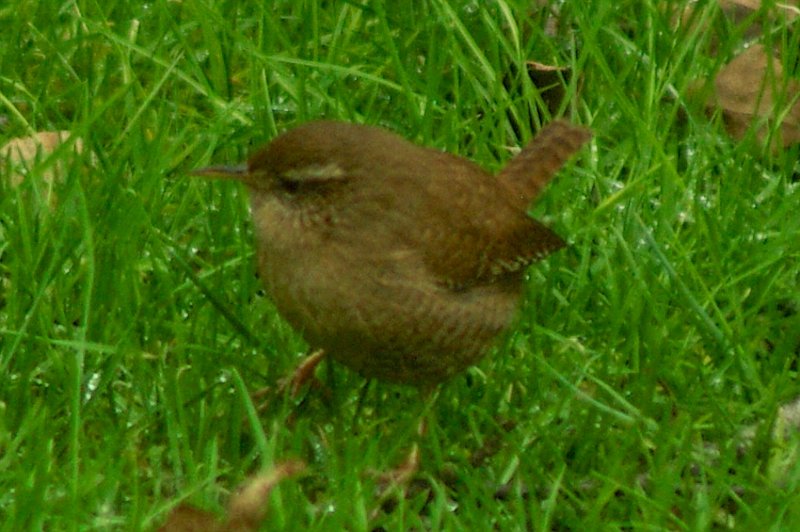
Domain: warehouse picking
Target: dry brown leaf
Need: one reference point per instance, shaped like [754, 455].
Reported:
[750, 4]
[751, 89]
[551, 16]
[790, 8]
[20, 154]
[739, 13]
[186, 518]
[548, 81]
[246, 508]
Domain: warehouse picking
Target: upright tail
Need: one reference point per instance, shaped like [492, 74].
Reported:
[528, 173]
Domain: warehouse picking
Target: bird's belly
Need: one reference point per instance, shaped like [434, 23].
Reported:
[390, 327]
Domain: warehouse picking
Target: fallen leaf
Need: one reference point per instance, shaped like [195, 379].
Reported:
[750, 4]
[550, 81]
[785, 451]
[753, 89]
[547, 15]
[789, 8]
[187, 518]
[246, 508]
[20, 154]
[738, 13]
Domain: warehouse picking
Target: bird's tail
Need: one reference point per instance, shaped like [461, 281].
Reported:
[528, 173]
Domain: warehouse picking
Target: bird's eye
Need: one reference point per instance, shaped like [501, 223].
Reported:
[290, 186]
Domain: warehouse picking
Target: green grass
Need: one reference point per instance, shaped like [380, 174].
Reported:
[132, 326]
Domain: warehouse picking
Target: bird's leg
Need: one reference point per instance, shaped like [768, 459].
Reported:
[302, 374]
[402, 474]
[395, 482]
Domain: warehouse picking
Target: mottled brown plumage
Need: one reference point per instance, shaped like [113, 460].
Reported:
[401, 262]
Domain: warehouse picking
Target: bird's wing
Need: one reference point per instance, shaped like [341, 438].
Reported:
[478, 236]
[487, 235]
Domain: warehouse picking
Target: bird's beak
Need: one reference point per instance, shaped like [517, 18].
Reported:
[236, 173]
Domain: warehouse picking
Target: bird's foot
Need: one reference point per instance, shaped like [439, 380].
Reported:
[303, 374]
[293, 384]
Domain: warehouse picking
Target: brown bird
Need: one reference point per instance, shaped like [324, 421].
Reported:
[401, 262]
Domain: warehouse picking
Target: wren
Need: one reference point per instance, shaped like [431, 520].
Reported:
[402, 262]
